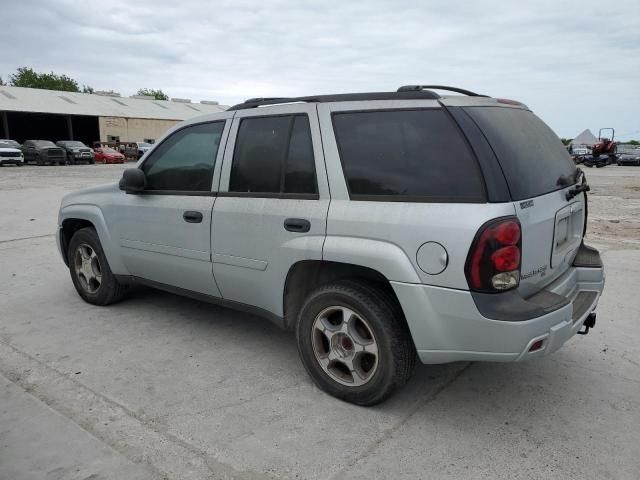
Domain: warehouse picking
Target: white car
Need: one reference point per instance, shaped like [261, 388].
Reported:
[580, 151]
[10, 154]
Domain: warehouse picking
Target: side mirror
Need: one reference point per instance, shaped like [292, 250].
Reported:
[133, 180]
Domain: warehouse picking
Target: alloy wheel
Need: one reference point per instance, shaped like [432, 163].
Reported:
[345, 346]
[87, 268]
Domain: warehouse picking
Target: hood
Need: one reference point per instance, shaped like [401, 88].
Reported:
[11, 150]
[88, 195]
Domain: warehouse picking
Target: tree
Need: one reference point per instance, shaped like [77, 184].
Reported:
[566, 141]
[29, 78]
[1, 82]
[157, 94]
[87, 89]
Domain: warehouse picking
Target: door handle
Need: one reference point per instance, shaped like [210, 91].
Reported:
[298, 225]
[192, 217]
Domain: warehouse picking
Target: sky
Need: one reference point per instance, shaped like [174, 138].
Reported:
[575, 63]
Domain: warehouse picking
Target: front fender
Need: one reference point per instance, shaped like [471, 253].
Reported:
[383, 257]
[93, 214]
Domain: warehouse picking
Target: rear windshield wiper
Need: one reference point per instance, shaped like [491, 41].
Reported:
[582, 187]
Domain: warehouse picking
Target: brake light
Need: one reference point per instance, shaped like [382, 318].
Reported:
[493, 264]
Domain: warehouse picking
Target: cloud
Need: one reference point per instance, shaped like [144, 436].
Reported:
[574, 64]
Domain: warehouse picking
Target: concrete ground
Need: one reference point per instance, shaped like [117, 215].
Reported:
[160, 386]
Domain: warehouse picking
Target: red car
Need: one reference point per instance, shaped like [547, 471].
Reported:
[108, 155]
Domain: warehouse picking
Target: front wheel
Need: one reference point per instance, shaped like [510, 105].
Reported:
[90, 271]
[354, 342]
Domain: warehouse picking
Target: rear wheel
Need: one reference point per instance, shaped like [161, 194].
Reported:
[90, 271]
[354, 342]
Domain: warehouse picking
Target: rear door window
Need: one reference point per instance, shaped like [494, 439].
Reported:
[406, 155]
[274, 155]
[533, 159]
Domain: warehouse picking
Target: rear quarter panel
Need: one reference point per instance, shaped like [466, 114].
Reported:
[386, 236]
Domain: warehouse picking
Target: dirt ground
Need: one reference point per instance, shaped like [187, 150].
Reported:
[614, 206]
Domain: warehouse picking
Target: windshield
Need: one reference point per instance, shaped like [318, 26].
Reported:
[75, 144]
[44, 143]
[145, 145]
[6, 145]
[533, 159]
[108, 150]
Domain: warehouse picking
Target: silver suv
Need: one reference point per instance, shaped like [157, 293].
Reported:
[381, 227]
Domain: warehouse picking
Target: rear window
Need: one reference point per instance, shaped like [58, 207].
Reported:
[406, 155]
[532, 157]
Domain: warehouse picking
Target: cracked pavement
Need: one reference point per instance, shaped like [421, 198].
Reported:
[164, 387]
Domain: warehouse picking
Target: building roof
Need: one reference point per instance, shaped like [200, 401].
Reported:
[585, 138]
[17, 99]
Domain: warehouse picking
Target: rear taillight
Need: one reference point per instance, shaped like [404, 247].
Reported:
[493, 264]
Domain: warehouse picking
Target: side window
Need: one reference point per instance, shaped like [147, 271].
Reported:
[185, 160]
[407, 153]
[273, 155]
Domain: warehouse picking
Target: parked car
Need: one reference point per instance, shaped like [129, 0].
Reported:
[580, 151]
[380, 227]
[76, 151]
[42, 152]
[13, 143]
[136, 150]
[10, 155]
[629, 159]
[107, 155]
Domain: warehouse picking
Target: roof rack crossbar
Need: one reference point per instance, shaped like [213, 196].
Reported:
[417, 88]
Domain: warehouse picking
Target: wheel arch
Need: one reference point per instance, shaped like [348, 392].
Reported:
[306, 275]
[73, 218]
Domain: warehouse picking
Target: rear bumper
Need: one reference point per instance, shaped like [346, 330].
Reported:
[447, 326]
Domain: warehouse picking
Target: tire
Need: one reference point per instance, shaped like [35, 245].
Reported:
[103, 292]
[375, 322]
[39, 161]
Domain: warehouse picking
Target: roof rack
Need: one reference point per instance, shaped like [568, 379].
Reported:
[414, 94]
[418, 88]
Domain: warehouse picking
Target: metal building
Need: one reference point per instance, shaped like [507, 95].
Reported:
[29, 113]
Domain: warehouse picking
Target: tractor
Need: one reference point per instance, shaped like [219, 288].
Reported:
[603, 152]
[604, 145]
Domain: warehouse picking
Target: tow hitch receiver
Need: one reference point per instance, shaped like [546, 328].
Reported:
[590, 322]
